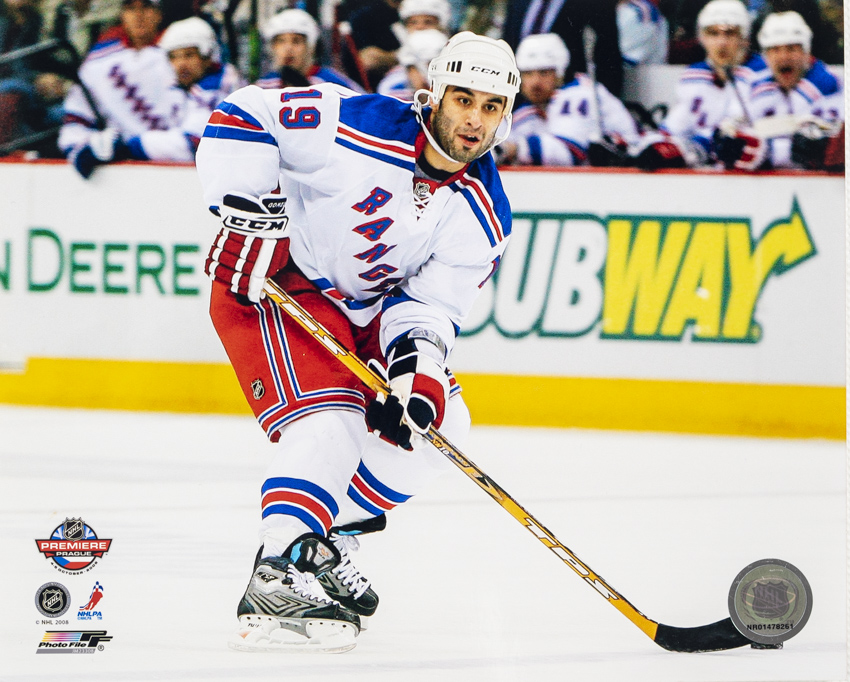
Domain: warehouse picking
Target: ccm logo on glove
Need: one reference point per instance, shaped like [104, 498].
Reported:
[252, 245]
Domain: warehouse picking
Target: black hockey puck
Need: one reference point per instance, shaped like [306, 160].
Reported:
[770, 601]
[760, 645]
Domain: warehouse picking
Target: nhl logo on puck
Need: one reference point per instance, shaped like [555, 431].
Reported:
[770, 601]
[52, 599]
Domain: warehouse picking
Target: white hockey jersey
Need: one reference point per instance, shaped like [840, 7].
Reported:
[643, 32]
[536, 146]
[703, 101]
[130, 89]
[345, 163]
[819, 93]
[192, 111]
[570, 116]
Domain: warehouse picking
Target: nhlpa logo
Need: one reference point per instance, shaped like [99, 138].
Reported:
[87, 611]
[73, 547]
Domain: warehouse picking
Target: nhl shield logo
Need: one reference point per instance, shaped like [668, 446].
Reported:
[771, 599]
[52, 599]
[258, 389]
[73, 529]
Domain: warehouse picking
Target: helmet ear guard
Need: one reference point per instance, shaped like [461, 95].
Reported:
[476, 63]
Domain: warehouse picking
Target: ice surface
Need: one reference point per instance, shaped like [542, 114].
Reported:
[466, 592]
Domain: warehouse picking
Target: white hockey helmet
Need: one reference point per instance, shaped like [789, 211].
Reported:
[478, 63]
[725, 13]
[785, 28]
[420, 47]
[191, 32]
[539, 52]
[435, 8]
[292, 21]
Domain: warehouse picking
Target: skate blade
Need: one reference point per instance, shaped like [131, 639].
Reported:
[268, 635]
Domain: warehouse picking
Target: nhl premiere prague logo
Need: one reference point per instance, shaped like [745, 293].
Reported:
[73, 547]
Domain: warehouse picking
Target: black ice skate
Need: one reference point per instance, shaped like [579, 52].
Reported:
[279, 610]
[344, 583]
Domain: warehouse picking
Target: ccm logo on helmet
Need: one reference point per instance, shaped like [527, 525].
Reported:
[484, 69]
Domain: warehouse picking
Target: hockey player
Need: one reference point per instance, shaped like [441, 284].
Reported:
[787, 117]
[126, 80]
[411, 73]
[644, 33]
[419, 15]
[202, 82]
[707, 90]
[556, 125]
[291, 36]
[383, 219]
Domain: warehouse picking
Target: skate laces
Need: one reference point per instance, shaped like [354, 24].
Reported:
[348, 573]
[302, 584]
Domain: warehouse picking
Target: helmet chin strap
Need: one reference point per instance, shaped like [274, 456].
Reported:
[417, 107]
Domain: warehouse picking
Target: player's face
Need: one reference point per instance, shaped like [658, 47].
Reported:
[724, 45]
[188, 65]
[465, 122]
[420, 22]
[141, 21]
[292, 50]
[788, 63]
[538, 86]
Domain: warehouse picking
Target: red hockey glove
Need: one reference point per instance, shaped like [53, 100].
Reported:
[252, 245]
[420, 389]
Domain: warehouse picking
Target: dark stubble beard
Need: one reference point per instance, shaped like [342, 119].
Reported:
[444, 137]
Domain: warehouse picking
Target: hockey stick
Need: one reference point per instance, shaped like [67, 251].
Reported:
[730, 76]
[589, 40]
[714, 637]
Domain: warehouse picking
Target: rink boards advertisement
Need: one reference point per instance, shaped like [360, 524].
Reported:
[676, 301]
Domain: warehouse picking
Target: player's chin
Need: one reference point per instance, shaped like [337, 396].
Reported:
[466, 150]
[465, 155]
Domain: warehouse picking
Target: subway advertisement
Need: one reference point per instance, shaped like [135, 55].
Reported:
[684, 301]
